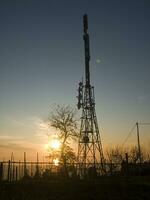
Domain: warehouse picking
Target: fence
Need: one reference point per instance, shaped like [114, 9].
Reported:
[13, 171]
[17, 170]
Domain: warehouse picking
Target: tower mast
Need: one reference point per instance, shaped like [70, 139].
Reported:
[90, 152]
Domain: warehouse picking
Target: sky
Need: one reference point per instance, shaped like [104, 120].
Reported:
[42, 62]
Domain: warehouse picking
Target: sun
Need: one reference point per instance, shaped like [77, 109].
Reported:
[53, 144]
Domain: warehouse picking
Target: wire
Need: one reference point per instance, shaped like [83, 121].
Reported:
[132, 131]
[128, 135]
[144, 123]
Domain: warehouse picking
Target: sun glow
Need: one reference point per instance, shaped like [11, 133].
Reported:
[53, 144]
[56, 162]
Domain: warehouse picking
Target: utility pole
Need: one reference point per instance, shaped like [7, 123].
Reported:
[138, 141]
[90, 152]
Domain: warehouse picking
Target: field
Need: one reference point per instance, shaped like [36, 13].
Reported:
[104, 188]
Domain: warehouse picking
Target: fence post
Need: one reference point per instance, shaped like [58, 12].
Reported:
[16, 173]
[1, 171]
[8, 172]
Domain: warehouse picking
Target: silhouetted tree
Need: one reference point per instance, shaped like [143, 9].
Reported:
[114, 156]
[69, 155]
[133, 154]
[63, 118]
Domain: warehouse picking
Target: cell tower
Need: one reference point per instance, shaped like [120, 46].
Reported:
[90, 152]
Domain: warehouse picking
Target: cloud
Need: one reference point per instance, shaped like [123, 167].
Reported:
[12, 121]
[16, 143]
[144, 98]
[30, 133]
[9, 138]
[25, 124]
[42, 128]
[5, 137]
[16, 147]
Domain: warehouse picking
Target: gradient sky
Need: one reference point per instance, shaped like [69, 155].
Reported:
[42, 61]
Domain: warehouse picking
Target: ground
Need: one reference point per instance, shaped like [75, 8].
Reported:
[104, 188]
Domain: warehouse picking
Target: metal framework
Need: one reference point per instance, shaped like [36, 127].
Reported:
[90, 152]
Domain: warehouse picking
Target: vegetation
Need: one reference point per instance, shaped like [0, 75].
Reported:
[63, 118]
[117, 154]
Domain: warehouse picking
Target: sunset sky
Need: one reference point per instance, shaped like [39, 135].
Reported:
[42, 61]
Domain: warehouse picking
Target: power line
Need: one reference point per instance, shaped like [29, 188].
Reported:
[141, 123]
[128, 135]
